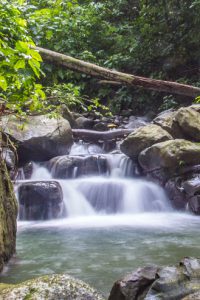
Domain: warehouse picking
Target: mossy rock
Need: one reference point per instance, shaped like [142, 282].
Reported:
[143, 138]
[8, 215]
[188, 119]
[170, 154]
[52, 287]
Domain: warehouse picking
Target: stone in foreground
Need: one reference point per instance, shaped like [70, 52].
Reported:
[40, 200]
[52, 287]
[166, 283]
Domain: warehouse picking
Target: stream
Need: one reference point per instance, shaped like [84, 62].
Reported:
[111, 223]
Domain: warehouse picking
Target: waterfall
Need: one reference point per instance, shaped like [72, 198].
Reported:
[87, 183]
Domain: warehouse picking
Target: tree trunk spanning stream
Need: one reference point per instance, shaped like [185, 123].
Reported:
[94, 136]
[112, 75]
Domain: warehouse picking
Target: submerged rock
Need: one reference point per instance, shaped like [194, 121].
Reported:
[38, 138]
[8, 215]
[166, 283]
[142, 138]
[40, 200]
[52, 287]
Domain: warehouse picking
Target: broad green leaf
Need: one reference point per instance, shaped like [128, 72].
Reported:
[3, 83]
[35, 54]
[20, 64]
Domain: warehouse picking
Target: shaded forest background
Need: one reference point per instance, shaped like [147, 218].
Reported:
[156, 39]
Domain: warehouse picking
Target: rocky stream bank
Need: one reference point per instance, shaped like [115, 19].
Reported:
[165, 150]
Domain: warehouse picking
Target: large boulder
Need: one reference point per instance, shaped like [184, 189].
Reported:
[171, 154]
[40, 200]
[142, 138]
[8, 215]
[188, 119]
[170, 283]
[69, 166]
[134, 285]
[38, 138]
[167, 121]
[52, 287]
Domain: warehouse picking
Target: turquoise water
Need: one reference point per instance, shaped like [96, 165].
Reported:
[101, 249]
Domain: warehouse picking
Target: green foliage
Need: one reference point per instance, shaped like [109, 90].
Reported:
[158, 39]
[19, 63]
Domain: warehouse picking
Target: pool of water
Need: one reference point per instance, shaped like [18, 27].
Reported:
[101, 249]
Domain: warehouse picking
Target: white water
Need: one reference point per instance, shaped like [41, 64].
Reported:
[107, 195]
[112, 225]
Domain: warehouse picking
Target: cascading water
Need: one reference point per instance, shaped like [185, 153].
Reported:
[101, 220]
[113, 193]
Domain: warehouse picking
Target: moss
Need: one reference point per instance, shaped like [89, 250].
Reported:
[30, 295]
[8, 214]
[4, 286]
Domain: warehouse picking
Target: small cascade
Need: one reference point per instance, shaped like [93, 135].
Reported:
[87, 182]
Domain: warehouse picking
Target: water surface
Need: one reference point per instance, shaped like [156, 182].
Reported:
[101, 249]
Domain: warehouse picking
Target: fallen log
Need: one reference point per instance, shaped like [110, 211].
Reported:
[112, 75]
[94, 136]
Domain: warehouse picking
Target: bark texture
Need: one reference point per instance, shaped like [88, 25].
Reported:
[115, 76]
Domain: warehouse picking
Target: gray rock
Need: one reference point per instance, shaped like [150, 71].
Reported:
[9, 158]
[136, 122]
[167, 121]
[38, 137]
[188, 119]
[142, 138]
[176, 193]
[100, 126]
[134, 285]
[166, 283]
[75, 166]
[40, 200]
[52, 287]
[84, 123]
[192, 186]
[171, 154]
[194, 204]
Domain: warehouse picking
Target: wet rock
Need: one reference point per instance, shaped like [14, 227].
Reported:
[134, 285]
[171, 154]
[136, 122]
[38, 138]
[192, 186]
[194, 204]
[142, 138]
[76, 166]
[9, 158]
[100, 126]
[40, 200]
[84, 123]
[176, 193]
[167, 283]
[167, 121]
[177, 282]
[52, 287]
[189, 121]
[8, 215]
